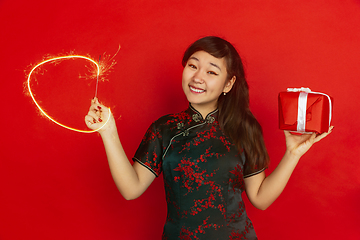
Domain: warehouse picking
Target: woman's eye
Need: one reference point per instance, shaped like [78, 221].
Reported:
[192, 66]
[212, 73]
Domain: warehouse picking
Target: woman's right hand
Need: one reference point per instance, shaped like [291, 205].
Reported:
[99, 117]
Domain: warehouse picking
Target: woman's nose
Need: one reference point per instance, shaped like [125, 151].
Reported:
[198, 77]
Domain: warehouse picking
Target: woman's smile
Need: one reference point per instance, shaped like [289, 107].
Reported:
[196, 90]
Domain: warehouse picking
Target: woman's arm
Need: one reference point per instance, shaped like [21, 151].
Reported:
[131, 180]
[262, 191]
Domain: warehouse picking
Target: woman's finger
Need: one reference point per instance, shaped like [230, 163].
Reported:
[96, 107]
[323, 135]
[94, 115]
[93, 123]
[89, 121]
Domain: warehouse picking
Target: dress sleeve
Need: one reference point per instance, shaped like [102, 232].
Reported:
[248, 170]
[149, 153]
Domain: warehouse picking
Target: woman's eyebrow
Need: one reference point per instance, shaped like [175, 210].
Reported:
[212, 64]
[194, 58]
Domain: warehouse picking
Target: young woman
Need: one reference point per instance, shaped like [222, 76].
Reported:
[208, 154]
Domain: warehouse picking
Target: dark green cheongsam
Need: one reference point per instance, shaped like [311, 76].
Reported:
[203, 175]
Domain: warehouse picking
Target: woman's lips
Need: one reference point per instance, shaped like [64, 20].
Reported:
[196, 90]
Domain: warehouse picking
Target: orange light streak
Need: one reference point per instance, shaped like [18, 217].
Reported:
[39, 107]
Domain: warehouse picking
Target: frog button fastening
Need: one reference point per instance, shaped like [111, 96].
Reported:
[180, 125]
[196, 117]
[210, 119]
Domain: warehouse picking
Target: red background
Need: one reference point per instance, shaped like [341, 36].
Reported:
[55, 183]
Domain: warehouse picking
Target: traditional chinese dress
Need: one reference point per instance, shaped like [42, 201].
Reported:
[203, 175]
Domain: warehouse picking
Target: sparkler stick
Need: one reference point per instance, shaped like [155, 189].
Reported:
[97, 80]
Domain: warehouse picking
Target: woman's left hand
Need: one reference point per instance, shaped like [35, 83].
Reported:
[298, 145]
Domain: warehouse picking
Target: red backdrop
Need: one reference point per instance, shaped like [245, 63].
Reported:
[55, 183]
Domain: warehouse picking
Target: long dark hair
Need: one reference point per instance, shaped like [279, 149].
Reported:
[235, 117]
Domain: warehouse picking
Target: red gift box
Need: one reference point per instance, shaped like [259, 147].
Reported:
[304, 111]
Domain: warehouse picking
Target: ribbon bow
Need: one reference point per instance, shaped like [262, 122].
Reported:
[302, 89]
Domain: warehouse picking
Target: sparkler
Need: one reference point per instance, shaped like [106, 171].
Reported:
[57, 59]
[97, 80]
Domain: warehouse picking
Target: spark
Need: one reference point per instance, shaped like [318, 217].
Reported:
[55, 59]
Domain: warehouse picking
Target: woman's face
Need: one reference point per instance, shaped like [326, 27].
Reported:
[204, 79]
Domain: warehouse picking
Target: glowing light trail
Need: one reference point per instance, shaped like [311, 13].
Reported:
[39, 107]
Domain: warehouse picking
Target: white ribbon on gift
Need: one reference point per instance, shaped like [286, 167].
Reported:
[302, 102]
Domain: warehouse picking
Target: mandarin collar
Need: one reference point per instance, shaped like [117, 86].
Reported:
[197, 117]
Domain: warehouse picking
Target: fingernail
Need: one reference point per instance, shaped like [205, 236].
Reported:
[100, 120]
[99, 107]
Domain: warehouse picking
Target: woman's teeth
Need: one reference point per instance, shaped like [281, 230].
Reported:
[197, 90]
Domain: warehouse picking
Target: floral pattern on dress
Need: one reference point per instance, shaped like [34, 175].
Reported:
[203, 175]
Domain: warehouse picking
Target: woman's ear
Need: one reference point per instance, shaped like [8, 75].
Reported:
[229, 85]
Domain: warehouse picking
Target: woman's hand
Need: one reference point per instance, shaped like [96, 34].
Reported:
[261, 190]
[298, 145]
[99, 117]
